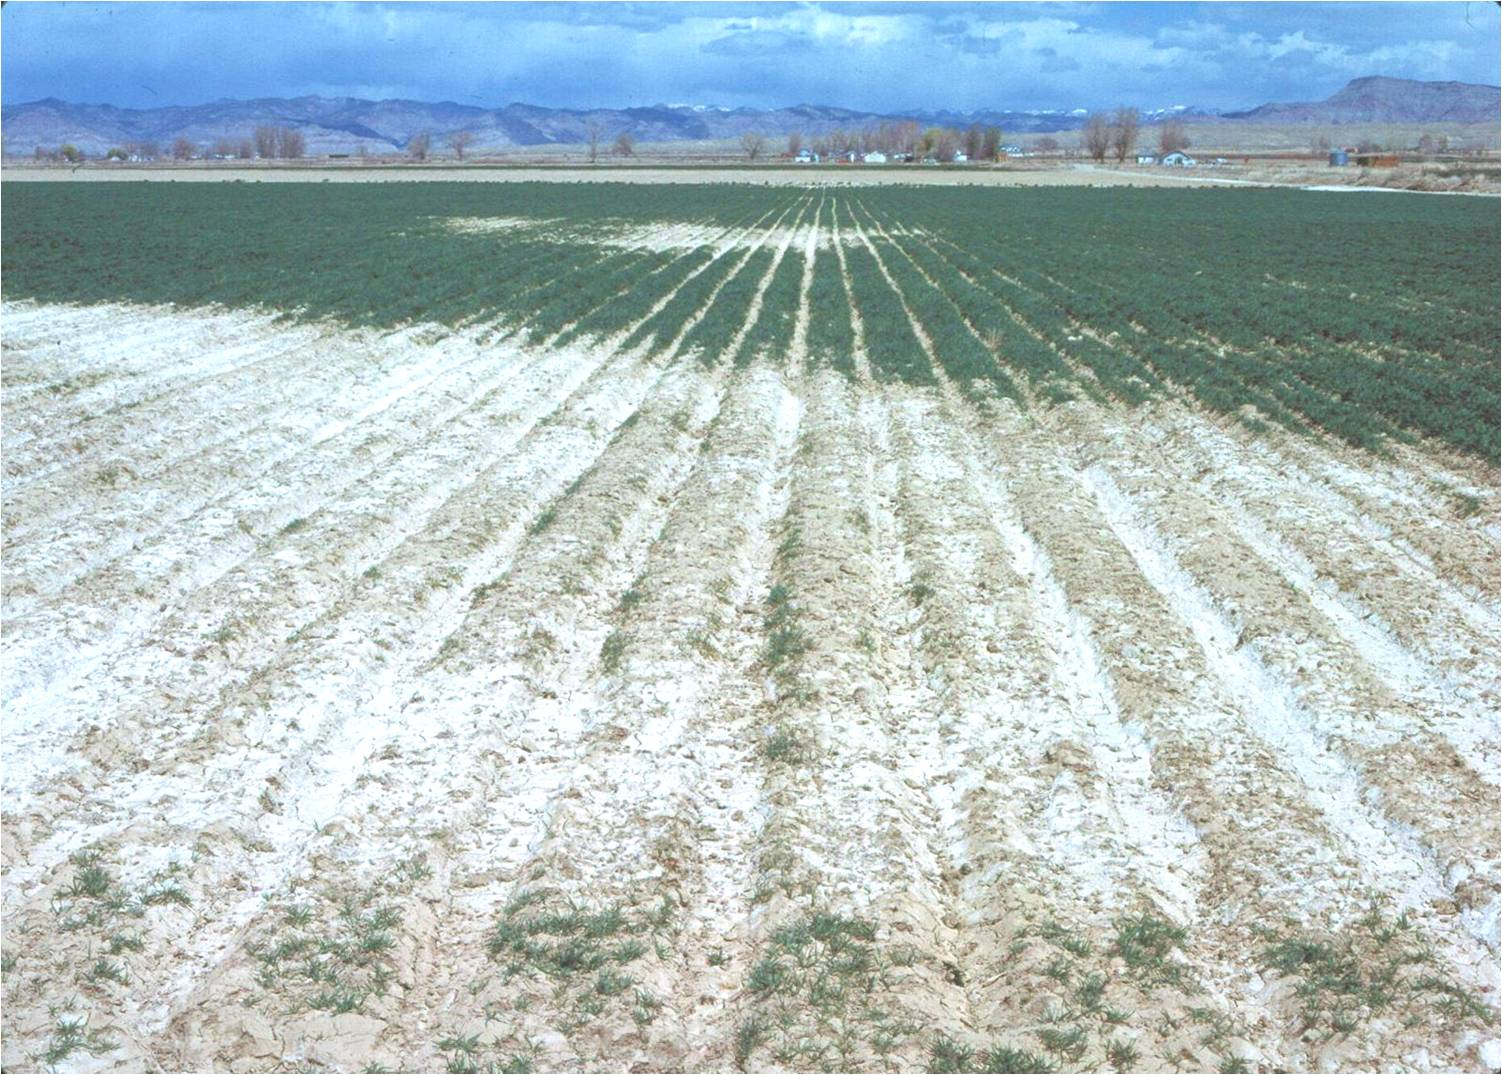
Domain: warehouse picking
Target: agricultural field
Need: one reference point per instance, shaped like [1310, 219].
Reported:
[510, 627]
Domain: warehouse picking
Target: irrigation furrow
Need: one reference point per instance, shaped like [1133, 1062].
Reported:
[536, 680]
[240, 396]
[846, 831]
[312, 731]
[226, 636]
[640, 740]
[123, 365]
[1390, 750]
[1400, 619]
[861, 356]
[103, 525]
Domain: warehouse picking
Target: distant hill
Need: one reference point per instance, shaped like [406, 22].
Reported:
[346, 124]
[1376, 99]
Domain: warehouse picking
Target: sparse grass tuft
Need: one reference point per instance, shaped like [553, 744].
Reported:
[949, 1057]
[1146, 944]
[1374, 965]
[1121, 1054]
[583, 950]
[70, 1034]
[817, 987]
[611, 652]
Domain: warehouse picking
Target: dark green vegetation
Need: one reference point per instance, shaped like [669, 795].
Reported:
[1370, 318]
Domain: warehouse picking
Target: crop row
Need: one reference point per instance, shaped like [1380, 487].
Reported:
[1369, 319]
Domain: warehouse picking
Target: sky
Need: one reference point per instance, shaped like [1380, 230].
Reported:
[881, 57]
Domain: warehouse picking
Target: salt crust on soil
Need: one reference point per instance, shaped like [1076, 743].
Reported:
[281, 612]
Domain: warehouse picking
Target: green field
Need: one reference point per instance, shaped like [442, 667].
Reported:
[1373, 318]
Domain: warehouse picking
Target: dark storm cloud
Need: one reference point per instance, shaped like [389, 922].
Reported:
[958, 56]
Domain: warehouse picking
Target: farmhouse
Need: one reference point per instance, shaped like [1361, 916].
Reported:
[1146, 158]
[875, 157]
[1177, 159]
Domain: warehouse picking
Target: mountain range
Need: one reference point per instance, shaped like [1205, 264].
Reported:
[348, 124]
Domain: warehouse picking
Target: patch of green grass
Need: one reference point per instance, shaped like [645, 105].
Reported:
[785, 745]
[333, 949]
[1466, 505]
[633, 596]
[1068, 1042]
[107, 970]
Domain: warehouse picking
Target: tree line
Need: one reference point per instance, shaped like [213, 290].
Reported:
[892, 137]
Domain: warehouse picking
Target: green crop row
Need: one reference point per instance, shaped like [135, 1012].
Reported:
[1370, 319]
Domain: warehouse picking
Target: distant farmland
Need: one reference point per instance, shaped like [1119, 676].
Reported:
[512, 627]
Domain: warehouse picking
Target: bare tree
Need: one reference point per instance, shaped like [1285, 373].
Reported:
[625, 145]
[245, 149]
[265, 137]
[1124, 132]
[1172, 137]
[753, 142]
[182, 149]
[1320, 144]
[795, 143]
[973, 138]
[592, 136]
[1095, 136]
[290, 143]
[459, 141]
[418, 145]
[1047, 144]
[990, 144]
[223, 147]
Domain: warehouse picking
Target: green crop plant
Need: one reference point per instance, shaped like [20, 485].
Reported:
[831, 337]
[1372, 321]
[772, 333]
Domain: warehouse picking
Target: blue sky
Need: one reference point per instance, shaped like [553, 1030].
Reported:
[880, 57]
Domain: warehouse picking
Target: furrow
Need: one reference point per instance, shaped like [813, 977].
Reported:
[532, 678]
[225, 636]
[1360, 744]
[157, 505]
